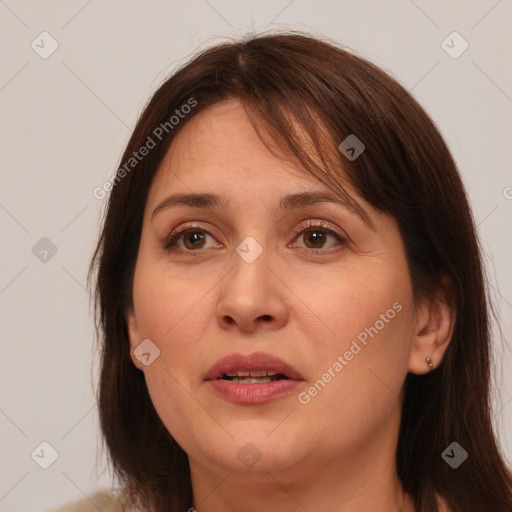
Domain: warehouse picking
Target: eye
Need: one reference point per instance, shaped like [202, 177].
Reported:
[189, 238]
[315, 235]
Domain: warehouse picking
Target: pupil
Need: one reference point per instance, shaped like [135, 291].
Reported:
[317, 237]
[194, 239]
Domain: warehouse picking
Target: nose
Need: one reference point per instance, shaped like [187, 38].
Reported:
[252, 297]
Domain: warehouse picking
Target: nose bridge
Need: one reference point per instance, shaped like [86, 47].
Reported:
[250, 296]
[249, 275]
[250, 250]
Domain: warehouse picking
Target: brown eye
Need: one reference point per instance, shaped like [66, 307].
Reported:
[193, 239]
[314, 238]
[190, 239]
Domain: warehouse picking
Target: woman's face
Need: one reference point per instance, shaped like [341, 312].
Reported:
[269, 272]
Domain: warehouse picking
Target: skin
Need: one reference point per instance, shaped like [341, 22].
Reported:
[337, 452]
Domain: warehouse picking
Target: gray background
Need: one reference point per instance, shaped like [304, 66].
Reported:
[64, 123]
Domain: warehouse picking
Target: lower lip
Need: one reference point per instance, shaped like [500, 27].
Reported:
[253, 393]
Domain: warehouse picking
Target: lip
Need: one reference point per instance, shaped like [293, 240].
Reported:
[252, 393]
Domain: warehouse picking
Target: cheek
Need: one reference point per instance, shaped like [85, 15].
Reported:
[358, 370]
[372, 309]
[171, 309]
[174, 314]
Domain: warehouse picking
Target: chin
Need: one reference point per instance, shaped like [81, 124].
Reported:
[254, 451]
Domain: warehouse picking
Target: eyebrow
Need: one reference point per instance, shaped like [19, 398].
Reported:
[287, 203]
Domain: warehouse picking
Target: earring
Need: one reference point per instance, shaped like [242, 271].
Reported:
[429, 362]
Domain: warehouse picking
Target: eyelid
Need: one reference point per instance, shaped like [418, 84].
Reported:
[319, 223]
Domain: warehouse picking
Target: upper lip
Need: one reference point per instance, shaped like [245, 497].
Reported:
[254, 361]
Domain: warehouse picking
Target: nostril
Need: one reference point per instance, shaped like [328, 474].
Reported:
[267, 318]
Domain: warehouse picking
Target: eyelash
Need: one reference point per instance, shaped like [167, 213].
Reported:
[171, 240]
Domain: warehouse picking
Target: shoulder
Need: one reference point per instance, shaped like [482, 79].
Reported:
[443, 506]
[100, 500]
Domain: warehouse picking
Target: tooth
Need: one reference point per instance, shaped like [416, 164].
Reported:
[259, 373]
[248, 380]
[252, 376]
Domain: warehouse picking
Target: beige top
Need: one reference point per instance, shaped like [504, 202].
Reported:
[106, 503]
[100, 500]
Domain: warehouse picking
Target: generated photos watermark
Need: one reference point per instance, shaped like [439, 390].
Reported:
[356, 346]
[152, 140]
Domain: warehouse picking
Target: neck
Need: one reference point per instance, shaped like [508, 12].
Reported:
[233, 492]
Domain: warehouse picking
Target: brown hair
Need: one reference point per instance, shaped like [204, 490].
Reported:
[294, 80]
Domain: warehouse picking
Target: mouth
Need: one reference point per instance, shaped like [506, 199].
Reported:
[252, 378]
[258, 366]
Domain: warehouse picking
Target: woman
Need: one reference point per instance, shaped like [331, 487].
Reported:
[291, 297]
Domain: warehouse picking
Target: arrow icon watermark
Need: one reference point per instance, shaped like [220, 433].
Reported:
[147, 352]
[249, 249]
[352, 147]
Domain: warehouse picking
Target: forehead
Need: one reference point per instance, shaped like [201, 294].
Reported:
[220, 154]
[220, 146]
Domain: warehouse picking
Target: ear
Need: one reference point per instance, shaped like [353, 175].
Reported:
[133, 336]
[435, 322]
